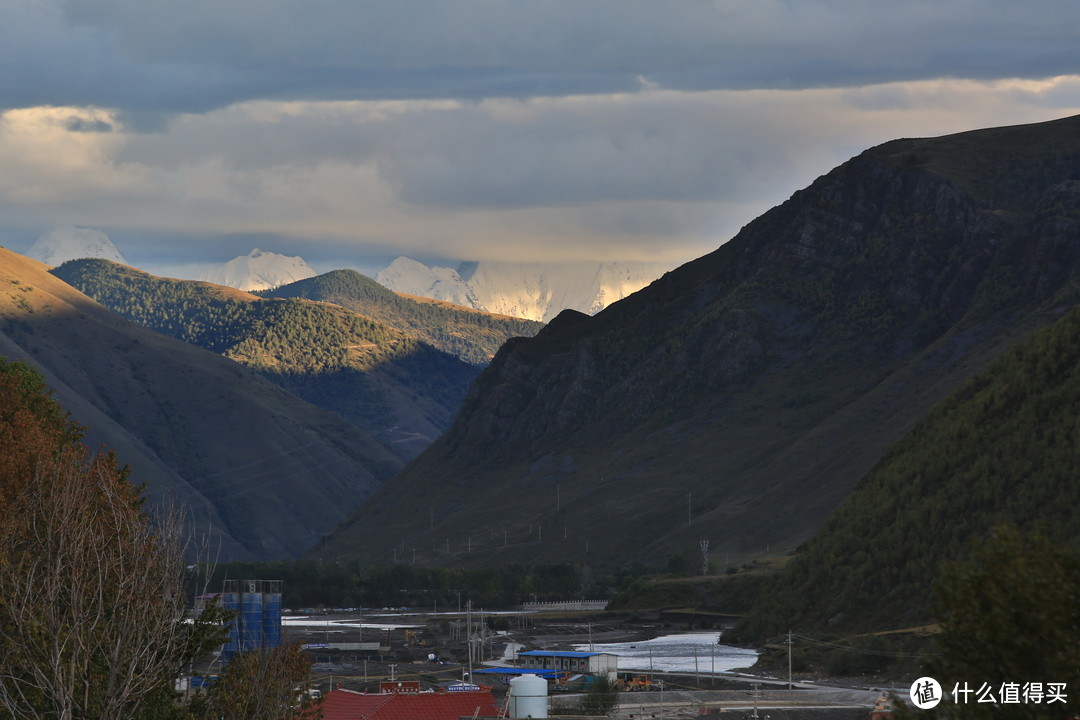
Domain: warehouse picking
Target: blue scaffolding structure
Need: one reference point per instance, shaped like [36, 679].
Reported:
[258, 620]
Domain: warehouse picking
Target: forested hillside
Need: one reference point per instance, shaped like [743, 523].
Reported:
[399, 389]
[471, 335]
[1002, 450]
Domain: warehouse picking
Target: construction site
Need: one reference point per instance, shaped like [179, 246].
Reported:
[362, 651]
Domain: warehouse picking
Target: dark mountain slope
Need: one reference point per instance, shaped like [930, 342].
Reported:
[739, 398]
[402, 391]
[471, 335]
[1003, 449]
[264, 471]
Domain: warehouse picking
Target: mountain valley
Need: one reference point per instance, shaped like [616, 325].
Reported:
[727, 410]
[740, 398]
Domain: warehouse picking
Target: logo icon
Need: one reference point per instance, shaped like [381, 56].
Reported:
[925, 693]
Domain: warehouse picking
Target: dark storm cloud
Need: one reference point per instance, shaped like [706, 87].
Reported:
[552, 153]
[169, 56]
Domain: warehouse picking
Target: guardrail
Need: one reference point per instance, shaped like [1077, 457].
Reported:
[565, 605]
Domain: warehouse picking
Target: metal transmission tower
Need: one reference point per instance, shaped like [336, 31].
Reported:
[704, 557]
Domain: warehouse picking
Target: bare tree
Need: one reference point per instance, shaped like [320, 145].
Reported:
[91, 593]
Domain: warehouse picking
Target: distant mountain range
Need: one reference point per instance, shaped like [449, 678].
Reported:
[259, 470]
[536, 291]
[740, 398]
[530, 291]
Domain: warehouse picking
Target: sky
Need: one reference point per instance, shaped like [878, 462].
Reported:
[348, 131]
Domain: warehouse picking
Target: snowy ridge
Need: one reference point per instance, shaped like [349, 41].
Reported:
[409, 276]
[259, 270]
[535, 291]
[73, 243]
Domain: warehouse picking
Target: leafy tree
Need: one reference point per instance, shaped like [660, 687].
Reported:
[1010, 616]
[91, 586]
[32, 426]
[600, 697]
[270, 684]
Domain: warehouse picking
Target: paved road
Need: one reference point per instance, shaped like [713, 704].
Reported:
[805, 702]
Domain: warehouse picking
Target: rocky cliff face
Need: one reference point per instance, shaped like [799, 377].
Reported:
[748, 391]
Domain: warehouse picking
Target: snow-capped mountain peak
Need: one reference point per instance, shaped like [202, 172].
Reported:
[72, 243]
[414, 278]
[535, 291]
[259, 270]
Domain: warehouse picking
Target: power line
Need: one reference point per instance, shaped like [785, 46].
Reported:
[863, 651]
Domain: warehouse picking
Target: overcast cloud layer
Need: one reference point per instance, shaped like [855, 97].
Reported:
[193, 130]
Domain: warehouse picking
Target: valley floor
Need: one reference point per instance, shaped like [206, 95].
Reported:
[686, 693]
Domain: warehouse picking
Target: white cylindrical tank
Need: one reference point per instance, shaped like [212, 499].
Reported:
[528, 697]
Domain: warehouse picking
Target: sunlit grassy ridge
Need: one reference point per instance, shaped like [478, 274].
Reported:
[385, 380]
[471, 335]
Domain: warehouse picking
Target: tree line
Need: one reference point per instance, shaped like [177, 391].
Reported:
[317, 584]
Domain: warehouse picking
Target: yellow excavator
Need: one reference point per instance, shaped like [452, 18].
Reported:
[634, 683]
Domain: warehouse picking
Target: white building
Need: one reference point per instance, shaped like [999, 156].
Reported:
[590, 663]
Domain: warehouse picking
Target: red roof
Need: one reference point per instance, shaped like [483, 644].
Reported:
[349, 705]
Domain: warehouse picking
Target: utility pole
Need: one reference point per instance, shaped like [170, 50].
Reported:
[470, 639]
[756, 693]
[790, 642]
